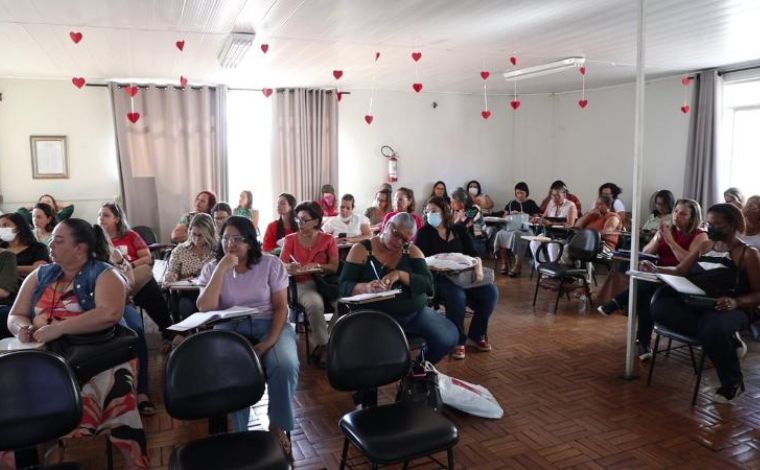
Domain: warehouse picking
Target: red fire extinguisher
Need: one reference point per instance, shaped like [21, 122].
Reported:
[390, 154]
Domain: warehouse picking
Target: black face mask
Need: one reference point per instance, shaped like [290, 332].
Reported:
[716, 235]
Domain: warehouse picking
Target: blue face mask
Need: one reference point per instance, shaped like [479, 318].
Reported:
[434, 219]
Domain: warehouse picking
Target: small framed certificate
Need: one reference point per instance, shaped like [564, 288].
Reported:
[49, 158]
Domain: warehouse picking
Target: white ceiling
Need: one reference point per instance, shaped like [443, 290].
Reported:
[309, 38]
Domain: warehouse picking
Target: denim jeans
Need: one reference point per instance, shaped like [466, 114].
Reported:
[439, 333]
[482, 299]
[134, 321]
[281, 368]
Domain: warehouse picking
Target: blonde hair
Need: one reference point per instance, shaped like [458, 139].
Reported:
[206, 224]
[696, 213]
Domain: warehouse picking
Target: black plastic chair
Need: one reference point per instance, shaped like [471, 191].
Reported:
[157, 250]
[208, 375]
[368, 349]
[582, 249]
[686, 340]
[41, 402]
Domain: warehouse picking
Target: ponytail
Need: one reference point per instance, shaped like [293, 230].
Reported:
[92, 236]
[100, 250]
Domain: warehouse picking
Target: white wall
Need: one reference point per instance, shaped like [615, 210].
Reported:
[548, 138]
[51, 107]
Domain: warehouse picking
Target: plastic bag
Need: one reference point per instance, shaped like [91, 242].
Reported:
[465, 396]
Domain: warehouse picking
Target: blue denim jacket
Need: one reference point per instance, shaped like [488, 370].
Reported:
[84, 281]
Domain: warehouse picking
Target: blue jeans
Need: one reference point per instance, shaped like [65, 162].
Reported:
[440, 334]
[134, 321]
[482, 300]
[281, 368]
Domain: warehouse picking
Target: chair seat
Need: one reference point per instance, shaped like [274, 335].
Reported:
[398, 432]
[231, 452]
[663, 330]
[561, 270]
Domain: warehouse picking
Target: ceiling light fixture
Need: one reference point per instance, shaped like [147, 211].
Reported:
[545, 69]
[235, 48]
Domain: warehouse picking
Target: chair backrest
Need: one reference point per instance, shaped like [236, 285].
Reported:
[585, 245]
[211, 373]
[146, 233]
[366, 349]
[40, 398]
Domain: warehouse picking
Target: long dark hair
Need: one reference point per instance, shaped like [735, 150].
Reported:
[248, 232]
[409, 195]
[249, 196]
[445, 209]
[122, 227]
[23, 230]
[55, 203]
[290, 215]
[49, 213]
[470, 183]
[614, 189]
[665, 195]
[91, 235]
[461, 195]
[445, 190]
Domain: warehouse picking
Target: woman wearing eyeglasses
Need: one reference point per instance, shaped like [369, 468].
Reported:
[306, 250]
[242, 276]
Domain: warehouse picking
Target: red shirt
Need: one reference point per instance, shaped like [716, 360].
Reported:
[129, 245]
[667, 257]
[322, 251]
[270, 236]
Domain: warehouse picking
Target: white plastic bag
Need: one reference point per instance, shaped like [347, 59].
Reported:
[465, 396]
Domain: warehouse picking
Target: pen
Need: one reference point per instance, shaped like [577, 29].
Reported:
[374, 269]
[294, 259]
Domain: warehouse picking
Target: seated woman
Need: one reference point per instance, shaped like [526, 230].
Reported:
[751, 211]
[79, 293]
[507, 241]
[204, 201]
[245, 208]
[376, 213]
[404, 202]
[558, 207]
[348, 227]
[310, 248]
[734, 197]
[559, 184]
[145, 292]
[30, 254]
[605, 221]
[441, 235]
[468, 214]
[283, 226]
[8, 288]
[328, 201]
[62, 212]
[390, 261]
[482, 200]
[675, 240]
[726, 269]
[439, 190]
[220, 213]
[661, 205]
[187, 260]
[613, 191]
[44, 221]
[242, 276]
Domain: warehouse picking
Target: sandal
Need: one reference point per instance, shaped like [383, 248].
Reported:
[146, 407]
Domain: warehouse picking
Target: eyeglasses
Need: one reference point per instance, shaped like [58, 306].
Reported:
[233, 239]
[303, 221]
[395, 233]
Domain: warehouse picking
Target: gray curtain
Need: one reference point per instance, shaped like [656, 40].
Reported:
[304, 142]
[176, 149]
[701, 161]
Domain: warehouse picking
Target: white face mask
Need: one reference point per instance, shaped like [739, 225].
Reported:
[473, 191]
[7, 234]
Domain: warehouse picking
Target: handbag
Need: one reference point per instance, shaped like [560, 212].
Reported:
[420, 386]
[327, 286]
[92, 353]
[465, 279]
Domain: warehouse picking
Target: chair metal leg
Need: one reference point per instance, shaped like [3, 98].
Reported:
[344, 456]
[535, 294]
[450, 455]
[654, 358]
[559, 294]
[109, 453]
[693, 360]
[587, 293]
[670, 343]
[699, 378]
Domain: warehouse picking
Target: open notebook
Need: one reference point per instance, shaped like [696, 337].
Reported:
[203, 318]
[681, 284]
[371, 297]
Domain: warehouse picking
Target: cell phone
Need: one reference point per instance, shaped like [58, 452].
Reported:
[341, 235]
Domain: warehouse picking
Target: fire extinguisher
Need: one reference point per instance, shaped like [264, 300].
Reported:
[390, 154]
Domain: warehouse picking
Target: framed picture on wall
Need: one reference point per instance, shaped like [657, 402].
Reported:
[49, 158]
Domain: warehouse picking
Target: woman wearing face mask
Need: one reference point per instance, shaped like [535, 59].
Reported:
[283, 226]
[19, 240]
[328, 201]
[403, 202]
[483, 200]
[441, 235]
[751, 211]
[352, 227]
[507, 241]
[44, 222]
[726, 269]
[376, 213]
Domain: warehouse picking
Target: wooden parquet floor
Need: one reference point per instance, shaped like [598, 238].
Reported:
[557, 378]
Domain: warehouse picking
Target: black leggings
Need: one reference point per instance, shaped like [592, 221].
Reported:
[154, 303]
[644, 292]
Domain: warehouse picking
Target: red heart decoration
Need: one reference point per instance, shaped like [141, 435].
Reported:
[180, 45]
[78, 82]
[182, 81]
[513, 60]
[377, 56]
[337, 74]
[416, 56]
[485, 74]
[417, 87]
[267, 92]
[75, 36]
[582, 69]
[685, 80]
[133, 117]
[339, 94]
[369, 118]
[131, 90]
[582, 103]
[264, 48]
[685, 108]
[515, 104]
[486, 114]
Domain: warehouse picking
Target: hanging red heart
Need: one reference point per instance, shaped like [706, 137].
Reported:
[337, 74]
[582, 103]
[685, 80]
[513, 60]
[264, 48]
[369, 118]
[131, 90]
[75, 36]
[485, 74]
[486, 114]
[377, 56]
[180, 45]
[267, 92]
[582, 69]
[685, 108]
[515, 104]
[78, 82]
[339, 94]
[416, 56]
[417, 87]
[134, 117]
[182, 81]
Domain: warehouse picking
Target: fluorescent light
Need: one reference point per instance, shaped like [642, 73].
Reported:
[545, 69]
[235, 48]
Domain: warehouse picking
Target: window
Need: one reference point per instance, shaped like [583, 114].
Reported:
[249, 123]
[739, 155]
